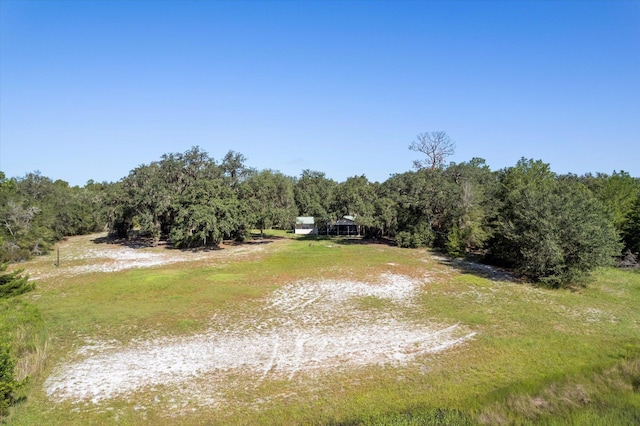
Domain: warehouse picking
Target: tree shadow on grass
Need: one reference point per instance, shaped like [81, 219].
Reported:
[473, 267]
[134, 242]
[137, 242]
[348, 240]
[258, 238]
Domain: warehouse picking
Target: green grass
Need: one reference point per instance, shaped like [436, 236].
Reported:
[22, 333]
[539, 357]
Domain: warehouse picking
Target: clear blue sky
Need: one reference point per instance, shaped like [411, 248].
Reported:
[92, 89]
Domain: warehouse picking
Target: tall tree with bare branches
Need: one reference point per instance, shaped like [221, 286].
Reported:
[437, 146]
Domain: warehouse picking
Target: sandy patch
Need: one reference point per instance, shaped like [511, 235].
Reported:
[304, 328]
[114, 258]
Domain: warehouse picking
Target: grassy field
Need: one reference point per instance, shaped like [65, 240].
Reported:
[536, 356]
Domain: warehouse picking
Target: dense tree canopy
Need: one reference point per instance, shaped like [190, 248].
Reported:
[186, 198]
[549, 228]
[631, 229]
[35, 212]
[618, 193]
[314, 193]
[270, 201]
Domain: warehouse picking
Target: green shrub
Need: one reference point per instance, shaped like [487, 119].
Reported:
[551, 231]
[420, 236]
[13, 283]
[403, 239]
[455, 246]
[8, 383]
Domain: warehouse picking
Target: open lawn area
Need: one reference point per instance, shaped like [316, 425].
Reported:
[286, 330]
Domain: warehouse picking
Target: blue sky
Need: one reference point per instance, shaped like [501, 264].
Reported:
[92, 89]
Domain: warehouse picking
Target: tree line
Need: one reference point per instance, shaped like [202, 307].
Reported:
[549, 228]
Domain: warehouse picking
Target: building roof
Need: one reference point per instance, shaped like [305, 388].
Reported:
[344, 221]
[305, 220]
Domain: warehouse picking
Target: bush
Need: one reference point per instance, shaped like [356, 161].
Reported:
[13, 283]
[551, 231]
[454, 245]
[420, 236]
[8, 383]
[403, 239]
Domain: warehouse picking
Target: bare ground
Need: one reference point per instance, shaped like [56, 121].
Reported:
[107, 258]
[304, 329]
[295, 333]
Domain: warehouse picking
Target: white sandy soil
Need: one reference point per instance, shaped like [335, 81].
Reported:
[304, 328]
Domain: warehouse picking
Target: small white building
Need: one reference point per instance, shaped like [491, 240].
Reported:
[306, 225]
